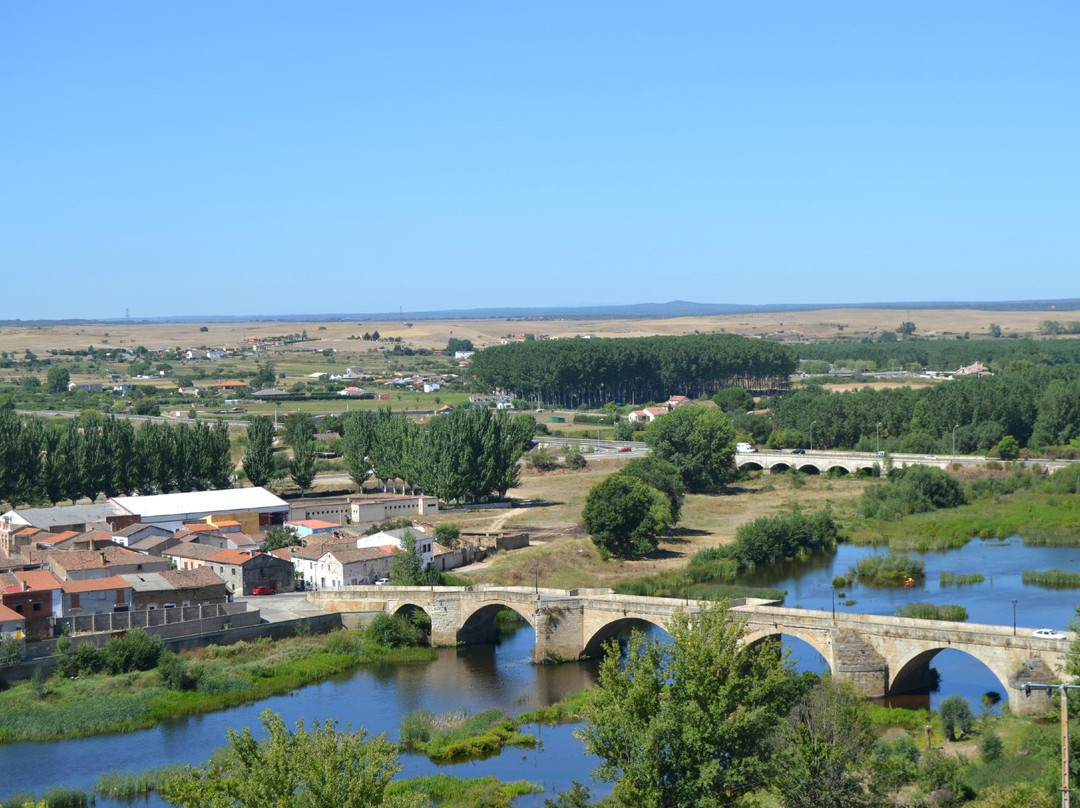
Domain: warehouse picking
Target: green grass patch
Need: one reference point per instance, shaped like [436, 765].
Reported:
[457, 735]
[222, 677]
[1052, 579]
[127, 785]
[955, 579]
[570, 709]
[453, 792]
[899, 717]
[932, 611]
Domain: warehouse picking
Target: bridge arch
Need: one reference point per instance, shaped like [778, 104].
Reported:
[415, 613]
[594, 647]
[751, 465]
[779, 467]
[808, 468]
[478, 624]
[817, 641]
[911, 672]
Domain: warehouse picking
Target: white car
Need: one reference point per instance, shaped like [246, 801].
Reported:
[1048, 634]
[382, 582]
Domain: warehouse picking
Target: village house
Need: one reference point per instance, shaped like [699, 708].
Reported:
[82, 565]
[647, 415]
[189, 555]
[12, 624]
[396, 539]
[162, 590]
[95, 596]
[311, 527]
[243, 572]
[128, 536]
[350, 567]
[35, 595]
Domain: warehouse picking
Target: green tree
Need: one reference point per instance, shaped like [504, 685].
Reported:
[302, 465]
[299, 428]
[734, 399]
[320, 767]
[1008, 448]
[280, 536]
[907, 328]
[699, 442]
[661, 475]
[447, 534]
[957, 719]
[265, 375]
[57, 379]
[822, 750]
[688, 723]
[619, 516]
[574, 459]
[409, 565]
[624, 430]
[995, 330]
[259, 458]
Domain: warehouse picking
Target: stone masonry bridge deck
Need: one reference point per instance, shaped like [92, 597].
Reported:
[878, 655]
[822, 462]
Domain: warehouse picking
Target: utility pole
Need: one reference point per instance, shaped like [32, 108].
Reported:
[1066, 792]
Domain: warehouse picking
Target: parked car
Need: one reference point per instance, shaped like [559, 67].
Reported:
[264, 590]
[382, 582]
[624, 448]
[930, 457]
[1048, 634]
[798, 451]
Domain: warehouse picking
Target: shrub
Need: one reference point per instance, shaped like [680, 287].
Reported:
[394, 631]
[134, 650]
[889, 570]
[542, 460]
[175, 674]
[990, 747]
[447, 534]
[774, 538]
[956, 717]
[912, 490]
[574, 459]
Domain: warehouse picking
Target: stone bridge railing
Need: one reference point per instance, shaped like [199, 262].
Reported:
[880, 655]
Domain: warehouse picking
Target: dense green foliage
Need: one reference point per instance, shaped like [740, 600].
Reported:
[470, 454]
[580, 372]
[1037, 405]
[300, 768]
[620, 515]
[259, 458]
[914, 489]
[774, 538]
[661, 714]
[53, 460]
[957, 719]
[457, 735]
[699, 442]
[889, 570]
[943, 354]
[661, 475]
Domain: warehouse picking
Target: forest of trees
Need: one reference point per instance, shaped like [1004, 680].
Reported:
[67, 459]
[942, 354]
[469, 454]
[592, 372]
[1038, 406]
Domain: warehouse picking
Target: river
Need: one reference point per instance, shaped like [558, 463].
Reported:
[482, 676]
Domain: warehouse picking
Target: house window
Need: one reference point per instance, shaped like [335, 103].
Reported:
[74, 603]
[37, 606]
[19, 608]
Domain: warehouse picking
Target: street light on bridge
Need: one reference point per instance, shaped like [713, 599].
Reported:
[954, 442]
[812, 435]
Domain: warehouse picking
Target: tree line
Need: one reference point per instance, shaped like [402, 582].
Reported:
[591, 372]
[1038, 406]
[944, 354]
[67, 459]
[467, 455]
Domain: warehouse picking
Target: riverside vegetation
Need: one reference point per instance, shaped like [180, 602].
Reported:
[134, 683]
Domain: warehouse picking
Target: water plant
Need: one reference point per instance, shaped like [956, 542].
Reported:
[932, 611]
[1052, 579]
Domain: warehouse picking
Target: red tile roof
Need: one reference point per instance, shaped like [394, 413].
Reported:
[7, 615]
[95, 585]
[38, 580]
[230, 557]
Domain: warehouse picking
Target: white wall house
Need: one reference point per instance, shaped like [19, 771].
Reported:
[425, 544]
[339, 568]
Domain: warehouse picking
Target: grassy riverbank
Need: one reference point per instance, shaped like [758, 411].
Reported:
[219, 677]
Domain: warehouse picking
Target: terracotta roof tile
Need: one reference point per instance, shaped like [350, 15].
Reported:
[95, 585]
[230, 557]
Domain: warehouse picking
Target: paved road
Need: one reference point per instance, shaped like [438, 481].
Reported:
[281, 607]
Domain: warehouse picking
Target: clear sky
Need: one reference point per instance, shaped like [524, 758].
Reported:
[311, 157]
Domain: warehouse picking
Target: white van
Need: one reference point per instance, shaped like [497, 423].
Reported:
[745, 448]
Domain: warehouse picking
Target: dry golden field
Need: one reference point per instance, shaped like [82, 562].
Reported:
[820, 324]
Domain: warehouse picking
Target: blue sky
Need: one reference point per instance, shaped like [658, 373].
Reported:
[264, 157]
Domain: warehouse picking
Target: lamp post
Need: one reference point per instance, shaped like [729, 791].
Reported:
[877, 436]
[834, 604]
[1014, 616]
[536, 579]
[812, 435]
[954, 442]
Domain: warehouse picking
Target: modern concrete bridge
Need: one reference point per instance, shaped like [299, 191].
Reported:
[879, 655]
[854, 462]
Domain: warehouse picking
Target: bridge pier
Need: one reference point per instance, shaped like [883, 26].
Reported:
[856, 661]
[559, 628]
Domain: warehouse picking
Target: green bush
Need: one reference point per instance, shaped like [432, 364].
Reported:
[175, 673]
[394, 631]
[990, 747]
[957, 719]
[134, 650]
[914, 489]
[888, 570]
[953, 579]
[774, 538]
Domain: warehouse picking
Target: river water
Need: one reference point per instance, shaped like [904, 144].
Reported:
[481, 676]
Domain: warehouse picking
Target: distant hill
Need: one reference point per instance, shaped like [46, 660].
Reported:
[674, 308]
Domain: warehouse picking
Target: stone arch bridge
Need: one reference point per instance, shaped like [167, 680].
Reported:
[878, 655]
